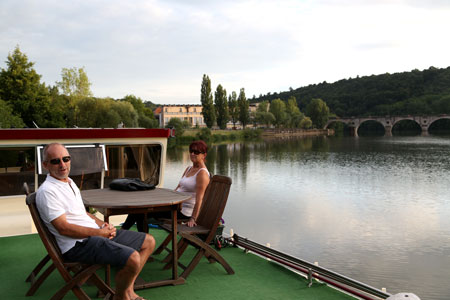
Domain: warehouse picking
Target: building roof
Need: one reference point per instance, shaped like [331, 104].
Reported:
[158, 110]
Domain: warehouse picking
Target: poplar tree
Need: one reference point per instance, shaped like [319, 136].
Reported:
[244, 115]
[206, 98]
[233, 108]
[220, 101]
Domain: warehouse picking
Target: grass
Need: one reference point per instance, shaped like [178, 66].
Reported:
[193, 132]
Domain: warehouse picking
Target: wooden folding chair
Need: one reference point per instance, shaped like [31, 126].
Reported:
[200, 236]
[82, 272]
[35, 283]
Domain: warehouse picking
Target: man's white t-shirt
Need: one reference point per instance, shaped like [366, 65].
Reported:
[55, 198]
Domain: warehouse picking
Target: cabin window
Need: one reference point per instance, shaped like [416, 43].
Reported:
[17, 166]
[135, 161]
[86, 167]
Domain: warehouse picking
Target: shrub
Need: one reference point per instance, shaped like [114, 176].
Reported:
[204, 134]
[251, 133]
[185, 139]
[232, 136]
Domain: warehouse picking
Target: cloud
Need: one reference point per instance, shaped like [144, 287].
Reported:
[159, 50]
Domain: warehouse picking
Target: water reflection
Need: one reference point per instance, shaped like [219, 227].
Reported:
[376, 209]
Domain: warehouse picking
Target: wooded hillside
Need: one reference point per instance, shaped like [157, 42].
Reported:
[415, 92]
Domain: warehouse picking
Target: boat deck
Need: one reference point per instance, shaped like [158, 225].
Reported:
[255, 278]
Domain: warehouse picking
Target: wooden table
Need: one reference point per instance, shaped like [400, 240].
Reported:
[112, 202]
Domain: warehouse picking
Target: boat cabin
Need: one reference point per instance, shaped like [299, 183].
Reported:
[98, 156]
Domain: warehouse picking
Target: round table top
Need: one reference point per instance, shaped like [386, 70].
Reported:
[107, 198]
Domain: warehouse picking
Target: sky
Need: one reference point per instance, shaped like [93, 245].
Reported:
[158, 50]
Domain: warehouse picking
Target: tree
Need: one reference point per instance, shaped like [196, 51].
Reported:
[146, 118]
[59, 111]
[233, 108]
[305, 123]
[75, 83]
[179, 125]
[103, 113]
[263, 106]
[91, 114]
[294, 116]
[7, 118]
[292, 106]
[206, 98]
[278, 109]
[21, 88]
[254, 118]
[128, 115]
[265, 117]
[318, 111]
[220, 101]
[244, 115]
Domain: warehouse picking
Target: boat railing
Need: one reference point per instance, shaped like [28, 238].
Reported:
[311, 270]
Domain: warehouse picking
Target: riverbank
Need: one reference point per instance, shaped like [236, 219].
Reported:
[217, 135]
[275, 133]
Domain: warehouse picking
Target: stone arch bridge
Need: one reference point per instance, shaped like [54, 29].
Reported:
[388, 122]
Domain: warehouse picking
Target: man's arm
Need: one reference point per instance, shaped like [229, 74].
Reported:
[99, 222]
[81, 232]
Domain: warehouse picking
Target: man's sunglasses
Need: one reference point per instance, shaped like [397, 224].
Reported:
[57, 161]
[196, 152]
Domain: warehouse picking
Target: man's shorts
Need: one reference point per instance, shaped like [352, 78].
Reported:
[101, 250]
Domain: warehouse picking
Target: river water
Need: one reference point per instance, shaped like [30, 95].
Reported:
[376, 209]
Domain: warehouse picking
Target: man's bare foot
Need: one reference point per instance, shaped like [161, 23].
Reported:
[119, 298]
[138, 298]
[134, 296]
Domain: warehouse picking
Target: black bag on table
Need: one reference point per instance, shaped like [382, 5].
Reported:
[130, 184]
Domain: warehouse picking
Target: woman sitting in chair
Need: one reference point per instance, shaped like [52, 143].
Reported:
[195, 179]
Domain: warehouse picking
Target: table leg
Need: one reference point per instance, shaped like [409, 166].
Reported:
[145, 225]
[107, 267]
[174, 243]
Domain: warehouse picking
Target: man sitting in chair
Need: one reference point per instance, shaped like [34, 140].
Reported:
[80, 235]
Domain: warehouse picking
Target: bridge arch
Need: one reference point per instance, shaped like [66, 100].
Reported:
[374, 125]
[339, 121]
[408, 118]
[440, 117]
[409, 123]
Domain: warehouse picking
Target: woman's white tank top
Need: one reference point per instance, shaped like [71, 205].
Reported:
[188, 185]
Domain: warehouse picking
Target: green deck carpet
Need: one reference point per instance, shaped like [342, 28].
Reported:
[255, 277]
